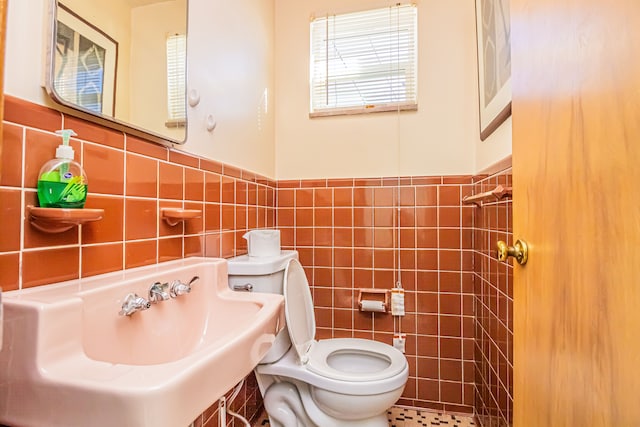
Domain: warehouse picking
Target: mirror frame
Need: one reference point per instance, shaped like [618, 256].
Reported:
[92, 116]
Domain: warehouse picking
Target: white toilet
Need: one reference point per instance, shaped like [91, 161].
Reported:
[326, 383]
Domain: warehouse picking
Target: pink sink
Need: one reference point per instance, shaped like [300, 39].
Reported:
[69, 359]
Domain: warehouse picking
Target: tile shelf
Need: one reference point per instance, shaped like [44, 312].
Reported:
[173, 216]
[58, 220]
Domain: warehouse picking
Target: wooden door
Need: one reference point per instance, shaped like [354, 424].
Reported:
[576, 165]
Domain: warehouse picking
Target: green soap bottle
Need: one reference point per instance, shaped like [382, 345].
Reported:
[62, 183]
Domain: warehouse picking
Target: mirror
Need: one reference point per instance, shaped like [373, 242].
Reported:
[123, 61]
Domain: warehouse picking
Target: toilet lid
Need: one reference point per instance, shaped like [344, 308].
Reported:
[298, 307]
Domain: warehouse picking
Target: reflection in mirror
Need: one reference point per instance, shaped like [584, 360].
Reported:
[122, 60]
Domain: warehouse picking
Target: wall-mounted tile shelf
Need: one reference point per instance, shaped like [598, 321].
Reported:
[58, 220]
[496, 194]
[175, 215]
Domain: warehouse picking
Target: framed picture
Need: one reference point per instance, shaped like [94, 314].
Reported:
[494, 63]
[85, 62]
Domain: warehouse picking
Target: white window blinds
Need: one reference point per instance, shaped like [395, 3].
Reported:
[364, 61]
[176, 78]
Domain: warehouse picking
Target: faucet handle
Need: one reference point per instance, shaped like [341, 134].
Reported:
[178, 288]
[132, 303]
[158, 292]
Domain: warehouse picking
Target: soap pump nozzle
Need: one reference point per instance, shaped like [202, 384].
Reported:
[65, 151]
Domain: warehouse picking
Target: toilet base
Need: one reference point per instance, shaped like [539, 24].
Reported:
[284, 406]
[289, 404]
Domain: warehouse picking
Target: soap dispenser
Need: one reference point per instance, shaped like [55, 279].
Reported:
[62, 183]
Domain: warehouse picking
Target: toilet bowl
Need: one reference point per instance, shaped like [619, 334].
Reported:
[331, 382]
[347, 379]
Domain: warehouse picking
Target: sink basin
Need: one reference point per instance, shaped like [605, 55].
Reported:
[69, 359]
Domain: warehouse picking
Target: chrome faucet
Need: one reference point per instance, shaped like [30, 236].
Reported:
[178, 288]
[158, 292]
[132, 303]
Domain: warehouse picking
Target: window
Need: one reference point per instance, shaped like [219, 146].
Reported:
[176, 78]
[364, 62]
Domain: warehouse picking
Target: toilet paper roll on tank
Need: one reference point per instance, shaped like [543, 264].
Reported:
[262, 243]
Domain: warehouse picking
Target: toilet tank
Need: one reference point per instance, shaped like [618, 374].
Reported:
[265, 274]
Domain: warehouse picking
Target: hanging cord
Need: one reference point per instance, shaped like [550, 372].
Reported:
[398, 198]
[399, 232]
[399, 272]
[398, 284]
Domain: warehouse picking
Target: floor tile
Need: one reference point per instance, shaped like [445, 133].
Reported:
[407, 417]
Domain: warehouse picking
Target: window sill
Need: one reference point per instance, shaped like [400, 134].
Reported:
[363, 110]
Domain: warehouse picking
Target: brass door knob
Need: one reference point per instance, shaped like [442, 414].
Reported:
[520, 251]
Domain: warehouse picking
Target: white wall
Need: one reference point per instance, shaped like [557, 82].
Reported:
[150, 26]
[437, 139]
[230, 64]
[495, 148]
[25, 58]
[230, 52]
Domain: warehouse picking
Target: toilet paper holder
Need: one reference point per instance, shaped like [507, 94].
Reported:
[373, 296]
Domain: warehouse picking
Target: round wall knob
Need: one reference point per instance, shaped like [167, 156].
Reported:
[193, 98]
[520, 251]
[211, 123]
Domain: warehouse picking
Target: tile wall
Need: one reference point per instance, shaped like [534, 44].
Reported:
[345, 230]
[347, 237]
[493, 306]
[131, 179]
[248, 404]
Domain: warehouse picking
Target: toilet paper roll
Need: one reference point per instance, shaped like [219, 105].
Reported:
[368, 305]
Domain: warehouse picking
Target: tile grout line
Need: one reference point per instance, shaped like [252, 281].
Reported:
[22, 209]
[124, 204]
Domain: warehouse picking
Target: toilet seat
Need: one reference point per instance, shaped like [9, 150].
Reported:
[377, 361]
[289, 366]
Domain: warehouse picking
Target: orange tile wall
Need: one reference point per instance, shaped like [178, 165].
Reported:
[345, 230]
[131, 179]
[493, 306]
[248, 404]
[347, 237]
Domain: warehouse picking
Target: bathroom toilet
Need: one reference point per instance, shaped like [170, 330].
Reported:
[326, 383]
